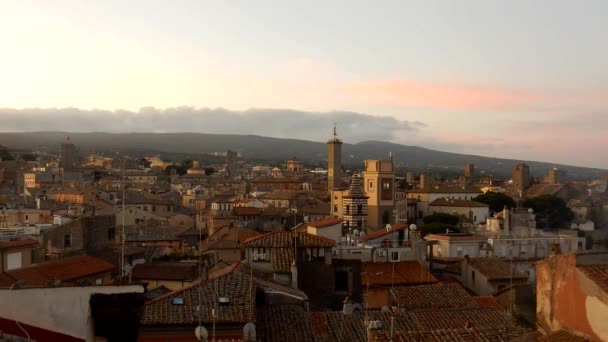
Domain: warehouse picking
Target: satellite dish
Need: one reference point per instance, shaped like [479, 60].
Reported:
[413, 227]
[388, 226]
[201, 333]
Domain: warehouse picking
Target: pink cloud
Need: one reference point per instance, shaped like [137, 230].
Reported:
[408, 93]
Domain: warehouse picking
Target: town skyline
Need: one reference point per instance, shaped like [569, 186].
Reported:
[525, 81]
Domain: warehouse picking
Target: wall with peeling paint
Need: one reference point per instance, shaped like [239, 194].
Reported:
[569, 299]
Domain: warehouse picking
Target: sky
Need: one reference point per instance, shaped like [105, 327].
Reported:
[515, 79]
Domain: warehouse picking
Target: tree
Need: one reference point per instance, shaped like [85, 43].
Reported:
[443, 218]
[437, 228]
[496, 200]
[551, 211]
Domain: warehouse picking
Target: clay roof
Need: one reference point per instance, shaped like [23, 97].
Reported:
[543, 189]
[456, 237]
[65, 270]
[441, 325]
[18, 243]
[246, 211]
[165, 271]
[200, 299]
[433, 296]
[488, 302]
[285, 239]
[450, 202]
[328, 222]
[398, 273]
[444, 188]
[381, 232]
[597, 273]
[494, 268]
[563, 336]
[281, 259]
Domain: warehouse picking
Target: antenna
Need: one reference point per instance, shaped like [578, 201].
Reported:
[335, 133]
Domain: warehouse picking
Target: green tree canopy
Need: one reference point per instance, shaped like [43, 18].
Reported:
[437, 228]
[451, 220]
[551, 211]
[496, 200]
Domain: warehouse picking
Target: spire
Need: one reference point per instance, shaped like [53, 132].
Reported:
[335, 138]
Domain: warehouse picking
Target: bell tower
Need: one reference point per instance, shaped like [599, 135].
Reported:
[334, 162]
[379, 186]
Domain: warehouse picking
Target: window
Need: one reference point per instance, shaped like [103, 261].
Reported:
[27, 217]
[111, 233]
[154, 207]
[347, 209]
[459, 251]
[99, 281]
[473, 277]
[67, 241]
[371, 185]
[335, 208]
[394, 256]
[359, 209]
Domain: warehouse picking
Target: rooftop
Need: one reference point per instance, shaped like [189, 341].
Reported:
[597, 273]
[433, 296]
[65, 270]
[196, 302]
[397, 273]
[328, 222]
[450, 202]
[494, 268]
[18, 244]
[286, 239]
[383, 231]
[456, 237]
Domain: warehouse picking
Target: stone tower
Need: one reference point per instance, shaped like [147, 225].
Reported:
[355, 206]
[521, 177]
[68, 156]
[379, 186]
[334, 162]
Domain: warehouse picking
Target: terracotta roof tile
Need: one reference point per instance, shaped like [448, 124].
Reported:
[281, 259]
[456, 237]
[488, 302]
[285, 239]
[398, 273]
[65, 270]
[597, 273]
[235, 286]
[17, 243]
[381, 232]
[433, 296]
[494, 268]
[328, 222]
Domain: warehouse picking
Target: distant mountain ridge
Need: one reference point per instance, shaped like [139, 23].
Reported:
[277, 150]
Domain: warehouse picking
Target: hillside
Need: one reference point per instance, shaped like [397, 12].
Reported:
[180, 145]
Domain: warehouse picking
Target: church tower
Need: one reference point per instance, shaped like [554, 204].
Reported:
[354, 211]
[334, 162]
[379, 186]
